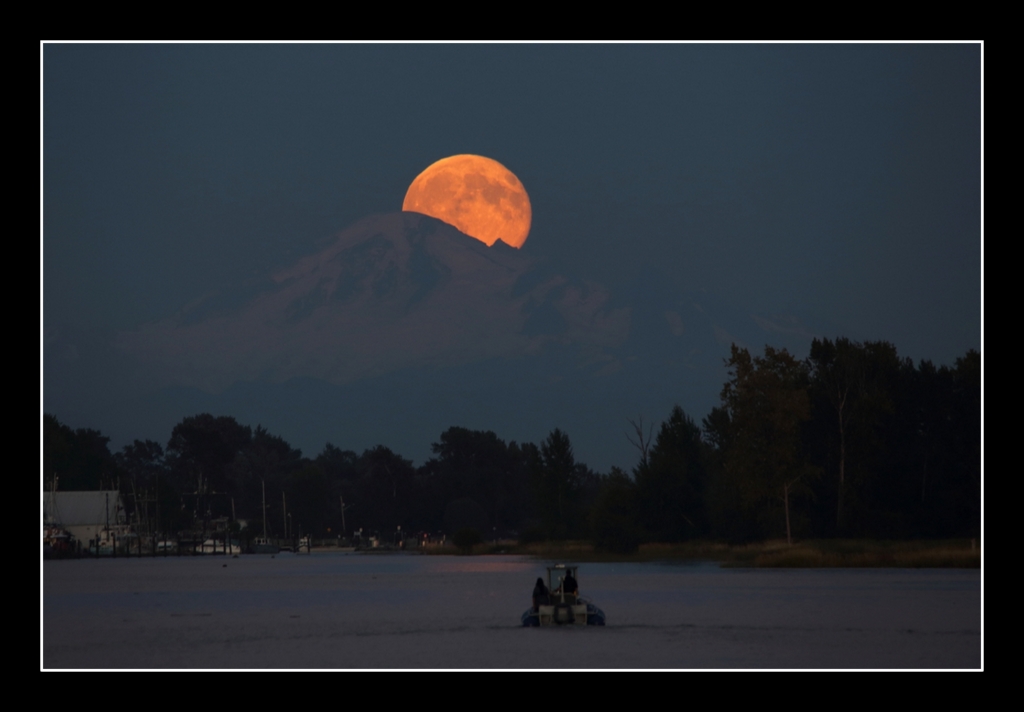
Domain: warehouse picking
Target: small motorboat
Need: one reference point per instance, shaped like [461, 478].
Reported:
[562, 607]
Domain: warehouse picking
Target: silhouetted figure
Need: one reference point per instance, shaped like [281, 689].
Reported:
[569, 584]
[540, 594]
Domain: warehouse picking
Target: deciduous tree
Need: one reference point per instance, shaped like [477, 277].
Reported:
[766, 402]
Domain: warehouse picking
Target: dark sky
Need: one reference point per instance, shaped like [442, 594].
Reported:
[838, 183]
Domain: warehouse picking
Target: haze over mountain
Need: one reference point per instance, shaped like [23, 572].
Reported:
[402, 327]
[393, 291]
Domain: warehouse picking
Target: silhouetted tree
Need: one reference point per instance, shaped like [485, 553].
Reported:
[478, 464]
[613, 518]
[766, 401]
[641, 440]
[80, 459]
[557, 484]
[142, 460]
[940, 451]
[965, 446]
[670, 486]
[266, 461]
[902, 444]
[465, 513]
[856, 381]
[199, 452]
[341, 468]
[310, 501]
[722, 500]
[388, 491]
[466, 538]
[144, 467]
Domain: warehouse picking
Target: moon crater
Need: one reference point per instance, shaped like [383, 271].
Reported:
[475, 194]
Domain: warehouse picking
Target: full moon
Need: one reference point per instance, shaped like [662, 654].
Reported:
[477, 195]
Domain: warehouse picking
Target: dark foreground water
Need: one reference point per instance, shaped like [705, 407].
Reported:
[405, 611]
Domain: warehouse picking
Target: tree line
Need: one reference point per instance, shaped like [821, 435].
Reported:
[851, 441]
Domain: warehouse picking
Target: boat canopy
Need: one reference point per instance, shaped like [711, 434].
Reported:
[557, 573]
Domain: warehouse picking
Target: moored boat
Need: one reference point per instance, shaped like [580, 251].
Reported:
[58, 543]
[262, 545]
[220, 546]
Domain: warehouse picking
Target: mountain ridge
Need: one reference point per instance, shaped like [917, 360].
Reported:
[392, 291]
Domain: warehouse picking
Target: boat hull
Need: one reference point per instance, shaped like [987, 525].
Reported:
[563, 614]
[211, 546]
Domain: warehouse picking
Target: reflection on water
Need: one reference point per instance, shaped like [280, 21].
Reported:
[386, 611]
[475, 565]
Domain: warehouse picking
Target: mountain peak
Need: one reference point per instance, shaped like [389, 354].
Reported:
[392, 290]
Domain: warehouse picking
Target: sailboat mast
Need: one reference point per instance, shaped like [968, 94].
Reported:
[53, 501]
[264, 483]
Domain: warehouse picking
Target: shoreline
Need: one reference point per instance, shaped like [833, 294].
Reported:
[822, 553]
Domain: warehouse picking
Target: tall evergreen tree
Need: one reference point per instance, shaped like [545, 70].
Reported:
[670, 484]
[558, 485]
[479, 465]
[613, 518]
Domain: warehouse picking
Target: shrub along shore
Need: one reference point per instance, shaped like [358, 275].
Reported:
[822, 553]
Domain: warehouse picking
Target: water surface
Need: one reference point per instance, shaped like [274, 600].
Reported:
[337, 610]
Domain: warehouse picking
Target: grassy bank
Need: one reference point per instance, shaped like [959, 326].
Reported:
[850, 553]
[823, 553]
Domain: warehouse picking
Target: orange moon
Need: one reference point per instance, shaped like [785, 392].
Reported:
[477, 195]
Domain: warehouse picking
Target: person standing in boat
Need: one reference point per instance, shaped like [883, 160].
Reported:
[569, 584]
[540, 594]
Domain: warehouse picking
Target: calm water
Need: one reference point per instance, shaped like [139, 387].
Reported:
[405, 611]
